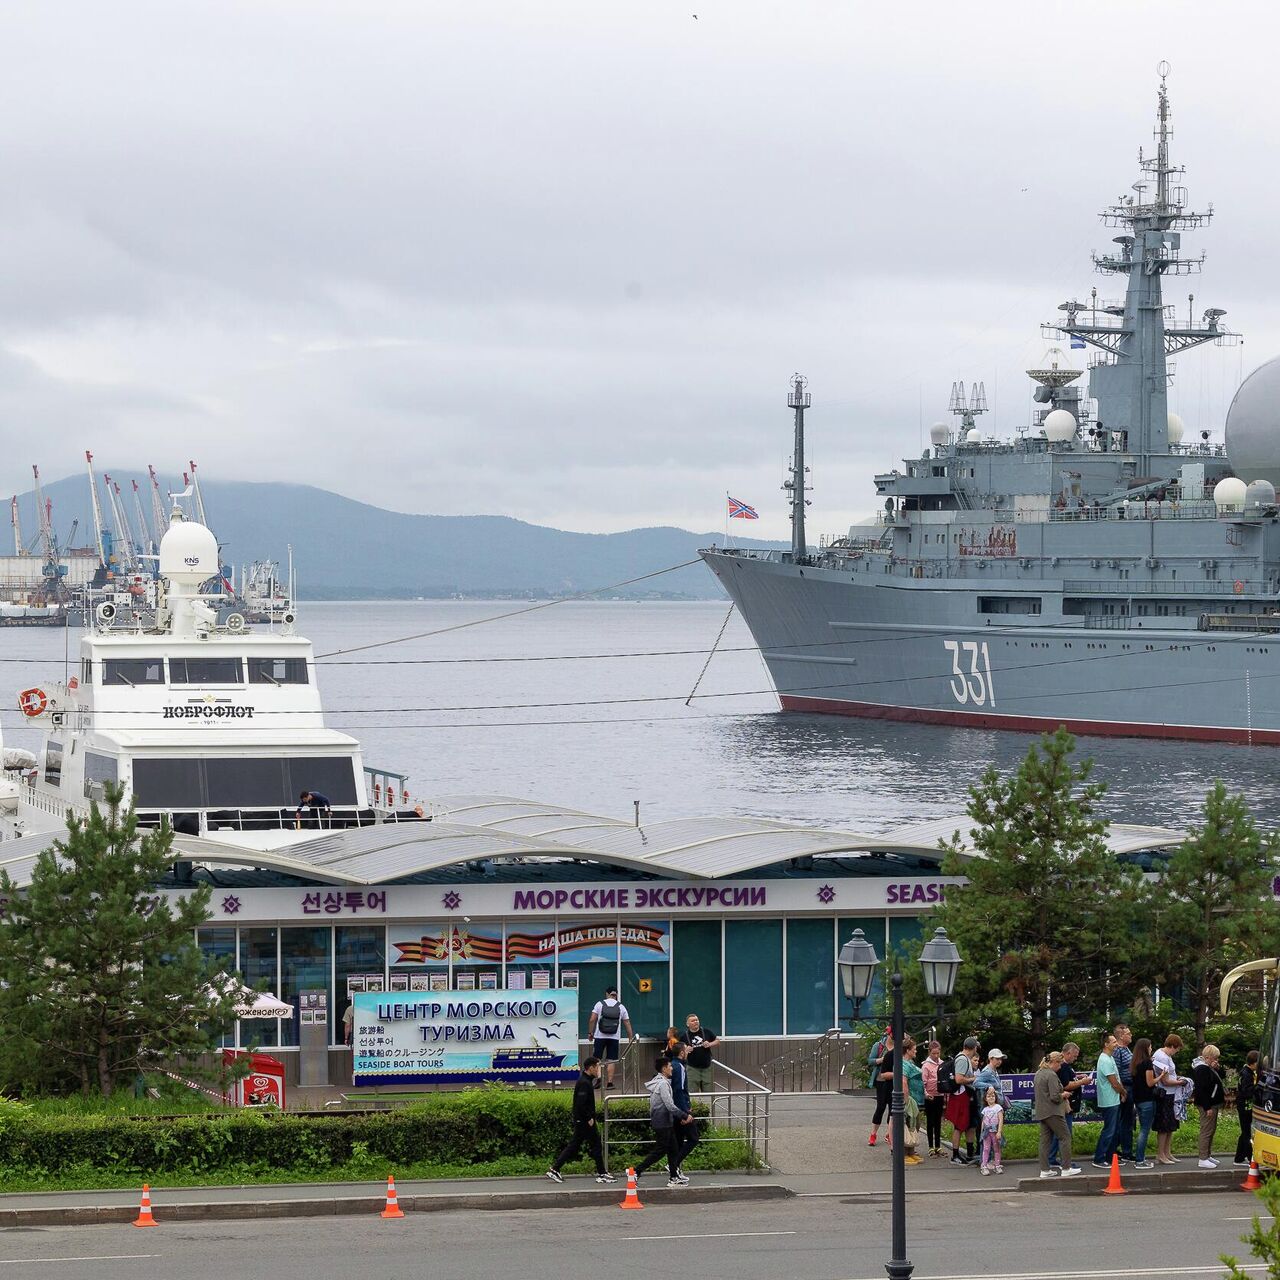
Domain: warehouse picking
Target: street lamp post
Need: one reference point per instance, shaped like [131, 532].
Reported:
[939, 964]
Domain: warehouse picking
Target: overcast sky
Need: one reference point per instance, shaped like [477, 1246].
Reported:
[559, 260]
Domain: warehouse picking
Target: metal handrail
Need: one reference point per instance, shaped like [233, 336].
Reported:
[808, 1068]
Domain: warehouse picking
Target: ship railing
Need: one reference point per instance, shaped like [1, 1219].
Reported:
[735, 1104]
[1166, 587]
[57, 805]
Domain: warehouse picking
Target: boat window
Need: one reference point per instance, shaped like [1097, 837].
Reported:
[277, 671]
[53, 763]
[133, 671]
[205, 671]
[99, 770]
[86, 670]
[240, 782]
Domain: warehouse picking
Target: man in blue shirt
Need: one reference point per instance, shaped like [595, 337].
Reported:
[1123, 1056]
[1111, 1093]
[313, 805]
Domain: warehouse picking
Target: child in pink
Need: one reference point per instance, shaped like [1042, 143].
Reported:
[992, 1134]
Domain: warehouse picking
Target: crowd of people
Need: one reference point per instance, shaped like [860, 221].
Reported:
[1139, 1091]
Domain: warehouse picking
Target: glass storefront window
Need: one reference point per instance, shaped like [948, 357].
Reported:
[644, 948]
[477, 956]
[304, 965]
[258, 964]
[811, 967]
[531, 955]
[359, 952]
[418, 956]
[589, 948]
[696, 981]
[873, 927]
[218, 945]
[753, 961]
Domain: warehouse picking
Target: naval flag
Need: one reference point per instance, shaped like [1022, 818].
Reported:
[1077, 342]
[740, 511]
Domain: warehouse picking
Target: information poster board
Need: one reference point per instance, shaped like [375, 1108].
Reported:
[464, 1037]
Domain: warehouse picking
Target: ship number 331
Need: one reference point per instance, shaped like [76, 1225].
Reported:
[974, 685]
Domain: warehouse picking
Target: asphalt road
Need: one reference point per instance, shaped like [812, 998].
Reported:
[1004, 1236]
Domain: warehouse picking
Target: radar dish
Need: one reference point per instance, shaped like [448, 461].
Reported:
[1055, 370]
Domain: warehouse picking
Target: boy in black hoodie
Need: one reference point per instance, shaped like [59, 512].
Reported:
[585, 1128]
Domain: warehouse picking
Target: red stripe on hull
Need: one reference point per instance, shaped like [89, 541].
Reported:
[1032, 724]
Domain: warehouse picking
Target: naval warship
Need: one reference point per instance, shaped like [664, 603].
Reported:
[1097, 570]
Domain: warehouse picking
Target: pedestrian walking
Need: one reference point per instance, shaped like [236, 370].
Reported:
[687, 1135]
[604, 1030]
[1143, 1072]
[962, 1104]
[699, 1039]
[664, 1116]
[1110, 1094]
[992, 1132]
[585, 1129]
[1168, 1085]
[913, 1102]
[881, 1060]
[1244, 1108]
[1050, 1107]
[1209, 1093]
[934, 1101]
[1123, 1056]
[1073, 1087]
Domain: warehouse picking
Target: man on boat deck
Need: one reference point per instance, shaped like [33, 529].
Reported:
[313, 805]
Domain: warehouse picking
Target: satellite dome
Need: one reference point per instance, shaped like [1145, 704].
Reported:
[189, 553]
[939, 433]
[1229, 494]
[1253, 424]
[1260, 493]
[1059, 426]
[973, 436]
[1176, 429]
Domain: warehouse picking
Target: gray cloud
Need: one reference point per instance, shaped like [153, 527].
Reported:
[559, 261]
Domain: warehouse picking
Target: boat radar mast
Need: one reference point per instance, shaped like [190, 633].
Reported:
[799, 399]
[1131, 382]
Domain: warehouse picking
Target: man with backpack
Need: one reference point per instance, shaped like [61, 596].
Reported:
[604, 1029]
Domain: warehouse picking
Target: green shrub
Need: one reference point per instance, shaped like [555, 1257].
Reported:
[474, 1127]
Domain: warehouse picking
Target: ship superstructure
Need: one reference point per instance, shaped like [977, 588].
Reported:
[1098, 570]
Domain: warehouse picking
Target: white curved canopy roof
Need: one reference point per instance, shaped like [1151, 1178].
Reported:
[479, 828]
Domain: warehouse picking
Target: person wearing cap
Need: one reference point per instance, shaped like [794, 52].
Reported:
[604, 1029]
[989, 1078]
[962, 1105]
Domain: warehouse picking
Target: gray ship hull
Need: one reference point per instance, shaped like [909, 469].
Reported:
[908, 649]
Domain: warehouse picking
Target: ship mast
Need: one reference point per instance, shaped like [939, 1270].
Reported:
[798, 398]
[1131, 380]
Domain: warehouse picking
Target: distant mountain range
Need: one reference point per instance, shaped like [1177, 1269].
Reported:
[344, 549]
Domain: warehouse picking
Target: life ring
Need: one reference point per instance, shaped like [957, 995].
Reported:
[406, 795]
[1239, 587]
[377, 793]
[32, 702]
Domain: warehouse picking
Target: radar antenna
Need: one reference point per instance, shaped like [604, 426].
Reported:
[799, 399]
[966, 408]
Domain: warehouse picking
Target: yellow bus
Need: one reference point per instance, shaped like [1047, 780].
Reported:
[1266, 1100]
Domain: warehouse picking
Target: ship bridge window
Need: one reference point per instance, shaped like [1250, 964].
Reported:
[53, 763]
[240, 782]
[277, 671]
[205, 671]
[86, 670]
[133, 671]
[98, 771]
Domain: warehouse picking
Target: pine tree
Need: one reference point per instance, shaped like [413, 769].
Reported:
[1045, 919]
[1212, 906]
[100, 976]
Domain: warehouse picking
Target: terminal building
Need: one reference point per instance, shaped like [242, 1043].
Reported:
[738, 920]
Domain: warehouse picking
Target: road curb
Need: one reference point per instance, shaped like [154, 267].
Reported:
[1139, 1184]
[355, 1206]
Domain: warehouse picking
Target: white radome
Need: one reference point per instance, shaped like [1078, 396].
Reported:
[188, 553]
[939, 433]
[1229, 494]
[973, 436]
[1253, 425]
[1059, 426]
[1177, 429]
[1260, 493]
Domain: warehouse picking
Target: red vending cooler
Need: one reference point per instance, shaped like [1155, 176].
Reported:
[262, 1087]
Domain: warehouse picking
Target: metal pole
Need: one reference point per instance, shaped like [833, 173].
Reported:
[898, 1267]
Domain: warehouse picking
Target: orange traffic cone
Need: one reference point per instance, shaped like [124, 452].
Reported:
[1252, 1182]
[632, 1199]
[144, 1218]
[393, 1209]
[1113, 1187]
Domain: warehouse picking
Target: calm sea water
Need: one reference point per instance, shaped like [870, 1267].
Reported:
[549, 706]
